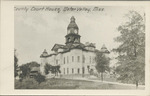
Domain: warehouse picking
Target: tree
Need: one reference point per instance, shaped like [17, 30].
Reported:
[54, 69]
[132, 49]
[102, 63]
[26, 68]
[47, 68]
[15, 64]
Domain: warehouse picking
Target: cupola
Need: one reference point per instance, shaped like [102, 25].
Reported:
[72, 32]
[104, 49]
[72, 27]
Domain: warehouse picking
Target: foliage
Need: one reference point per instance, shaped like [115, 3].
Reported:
[132, 49]
[26, 68]
[54, 69]
[47, 68]
[102, 63]
[15, 65]
[39, 78]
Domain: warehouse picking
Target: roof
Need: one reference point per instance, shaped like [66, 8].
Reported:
[104, 49]
[44, 54]
[90, 45]
[57, 46]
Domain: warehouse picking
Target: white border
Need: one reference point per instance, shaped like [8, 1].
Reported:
[7, 49]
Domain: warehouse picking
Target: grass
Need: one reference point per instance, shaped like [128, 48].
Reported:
[60, 83]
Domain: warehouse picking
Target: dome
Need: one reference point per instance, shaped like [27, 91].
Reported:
[72, 23]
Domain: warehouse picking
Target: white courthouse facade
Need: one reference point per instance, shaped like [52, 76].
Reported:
[73, 57]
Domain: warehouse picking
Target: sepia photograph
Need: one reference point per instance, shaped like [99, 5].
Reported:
[79, 47]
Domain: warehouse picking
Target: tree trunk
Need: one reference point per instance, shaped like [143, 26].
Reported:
[102, 76]
[137, 84]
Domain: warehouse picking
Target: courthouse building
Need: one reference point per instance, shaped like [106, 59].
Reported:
[73, 57]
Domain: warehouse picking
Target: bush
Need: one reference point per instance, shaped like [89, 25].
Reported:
[39, 78]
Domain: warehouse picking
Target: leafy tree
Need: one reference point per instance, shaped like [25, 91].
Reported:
[102, 63]
[15, 65]
[54, 69]
[132, 49]
[26, 68]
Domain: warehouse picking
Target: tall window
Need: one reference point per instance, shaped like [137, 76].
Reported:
[78, 58]
[83, 58]
[90, 59]
[72, 70]
[72, 58]
[78, 71]
[67, 70]
[67, 59]
[56, 61]
[64, 70]
[64, 60]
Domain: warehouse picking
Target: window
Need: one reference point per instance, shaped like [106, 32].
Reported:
[83, 58]
[67, 59]
[67, 70]
[72, 58]
[78, 58]
[83, 70]
[64, 60]
[78, 71]
[56, 61]
[72, 70]
[64, 70]
[90, 59]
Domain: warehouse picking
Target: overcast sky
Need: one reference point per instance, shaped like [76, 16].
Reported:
[39, 30]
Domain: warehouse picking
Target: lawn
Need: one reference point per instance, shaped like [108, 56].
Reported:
[60, 83]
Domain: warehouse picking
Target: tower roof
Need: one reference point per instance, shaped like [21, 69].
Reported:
[104, 49]
[44, 54]
[72, 23]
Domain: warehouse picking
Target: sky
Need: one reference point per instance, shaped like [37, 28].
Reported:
[37, 30]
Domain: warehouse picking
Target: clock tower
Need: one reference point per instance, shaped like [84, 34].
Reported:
[72, 32]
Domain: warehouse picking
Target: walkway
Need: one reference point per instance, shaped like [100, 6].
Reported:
[140, 86]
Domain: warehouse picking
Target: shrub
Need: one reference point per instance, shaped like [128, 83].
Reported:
[39, 78]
